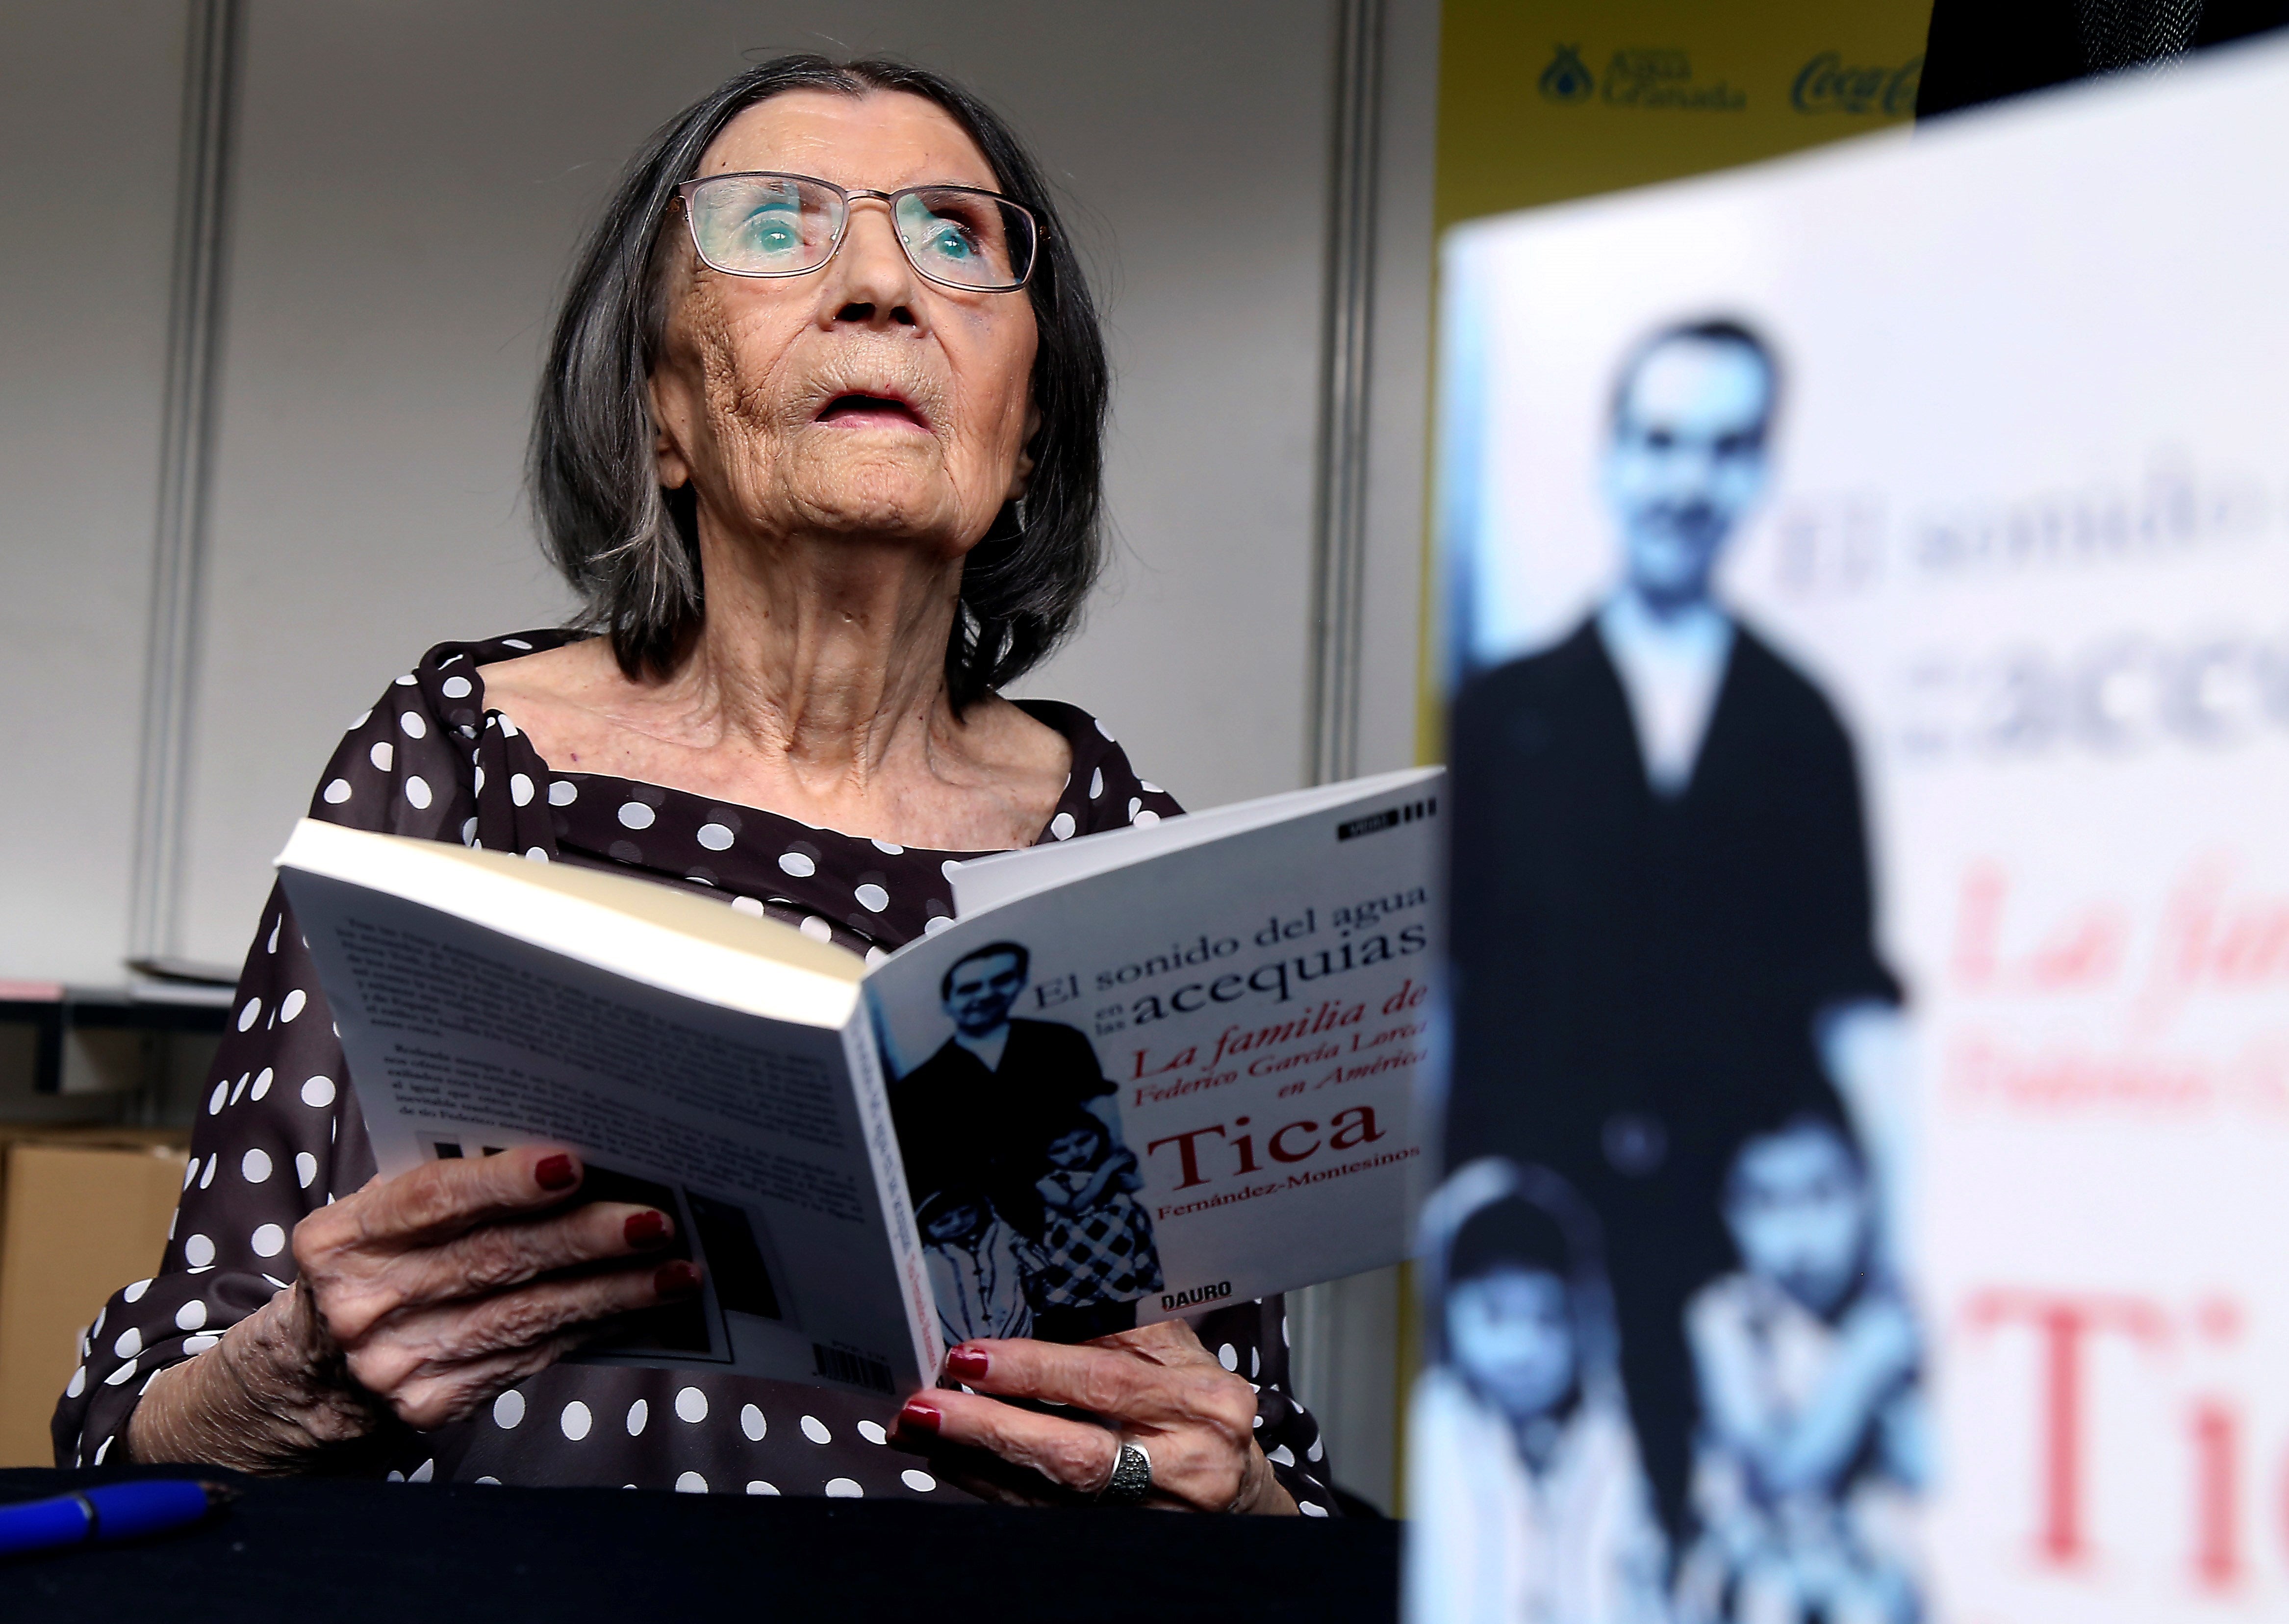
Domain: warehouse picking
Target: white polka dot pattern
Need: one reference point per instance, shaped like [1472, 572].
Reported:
[279, 1089]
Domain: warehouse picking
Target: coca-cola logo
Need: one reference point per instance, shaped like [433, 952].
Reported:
[1828, 85]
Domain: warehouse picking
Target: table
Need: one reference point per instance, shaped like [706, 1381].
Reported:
[333, 1551]
[54, 1010]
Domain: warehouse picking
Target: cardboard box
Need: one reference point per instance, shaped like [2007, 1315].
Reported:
[83, 1211]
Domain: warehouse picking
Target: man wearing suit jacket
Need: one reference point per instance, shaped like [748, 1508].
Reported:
[981, 1110]
[1660, 875]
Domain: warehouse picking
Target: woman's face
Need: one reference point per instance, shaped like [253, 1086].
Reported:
[1074, 1149]
[860, 398]
[1510, 1332]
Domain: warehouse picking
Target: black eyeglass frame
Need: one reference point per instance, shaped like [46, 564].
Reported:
[846, 196]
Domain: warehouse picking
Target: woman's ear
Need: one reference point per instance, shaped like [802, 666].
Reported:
[1023, 474]
[667, 455]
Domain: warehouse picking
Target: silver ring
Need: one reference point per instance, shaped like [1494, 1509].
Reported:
[1132, 1476]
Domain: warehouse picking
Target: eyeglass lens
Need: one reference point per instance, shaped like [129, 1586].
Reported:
[782, 226]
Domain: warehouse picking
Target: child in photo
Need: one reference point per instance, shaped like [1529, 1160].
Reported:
[1527, 1498]
[1811, 1452]
[1096, 1243]
[977, 1267]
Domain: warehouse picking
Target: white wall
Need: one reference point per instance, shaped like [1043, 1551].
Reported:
[88, 105]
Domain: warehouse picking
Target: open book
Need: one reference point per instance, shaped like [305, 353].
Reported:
[1143, 1072]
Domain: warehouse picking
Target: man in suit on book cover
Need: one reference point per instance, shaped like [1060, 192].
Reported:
[987, 1108]
[1661, 887]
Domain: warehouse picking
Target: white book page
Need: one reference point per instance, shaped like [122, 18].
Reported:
[647, 933]
[760, 1128]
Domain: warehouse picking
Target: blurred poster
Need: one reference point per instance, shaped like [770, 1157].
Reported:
[1868, 592]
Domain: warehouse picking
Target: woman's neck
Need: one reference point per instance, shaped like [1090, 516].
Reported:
[815, 687]
[824, 656]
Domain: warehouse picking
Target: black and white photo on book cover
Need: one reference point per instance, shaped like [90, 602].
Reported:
[1867, 619]
[1023, 1190]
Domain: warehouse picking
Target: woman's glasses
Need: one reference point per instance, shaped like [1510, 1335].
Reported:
[764, 224]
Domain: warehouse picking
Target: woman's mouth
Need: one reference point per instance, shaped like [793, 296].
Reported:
[858, 409]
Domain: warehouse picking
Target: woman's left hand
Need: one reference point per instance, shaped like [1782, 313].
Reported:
[1155, 1387]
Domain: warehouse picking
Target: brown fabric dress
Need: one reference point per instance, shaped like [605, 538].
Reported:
[279, 1133]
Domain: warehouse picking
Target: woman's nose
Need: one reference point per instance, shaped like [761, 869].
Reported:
[876, 283]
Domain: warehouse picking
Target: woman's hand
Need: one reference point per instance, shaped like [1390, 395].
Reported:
[419, 1297]
[1155, 1386]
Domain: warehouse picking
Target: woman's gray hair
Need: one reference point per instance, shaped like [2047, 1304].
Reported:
[631, 548]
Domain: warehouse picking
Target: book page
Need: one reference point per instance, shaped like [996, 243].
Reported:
[1173, 1085]
[749, 1132]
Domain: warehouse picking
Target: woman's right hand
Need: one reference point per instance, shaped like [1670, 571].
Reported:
[421, 1296]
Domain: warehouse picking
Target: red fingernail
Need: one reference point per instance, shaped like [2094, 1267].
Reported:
[676, 1279]
[968, 1363]
[646, 1228]
[920, 1415]
[555, 1173]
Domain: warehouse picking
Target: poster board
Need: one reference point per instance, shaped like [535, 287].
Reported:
[2026, 532]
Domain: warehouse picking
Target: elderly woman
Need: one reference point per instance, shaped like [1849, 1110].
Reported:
[818, 441]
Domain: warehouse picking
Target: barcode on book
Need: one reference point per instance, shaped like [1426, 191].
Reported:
[855, 1368]
[1375, 822]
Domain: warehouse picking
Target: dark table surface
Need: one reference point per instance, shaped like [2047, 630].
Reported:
[341, 1552]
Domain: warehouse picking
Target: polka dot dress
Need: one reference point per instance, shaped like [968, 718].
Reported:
[280, 1133]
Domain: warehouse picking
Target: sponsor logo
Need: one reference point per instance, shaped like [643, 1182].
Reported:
[1650, 77]
[1829, 84]
[1568, 78]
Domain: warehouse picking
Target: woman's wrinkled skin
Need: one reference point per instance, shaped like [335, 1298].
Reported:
[850, 435]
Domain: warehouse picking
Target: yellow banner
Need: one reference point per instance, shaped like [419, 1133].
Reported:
[1559, 99]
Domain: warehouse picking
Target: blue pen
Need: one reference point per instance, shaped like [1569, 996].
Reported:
[116, 1511]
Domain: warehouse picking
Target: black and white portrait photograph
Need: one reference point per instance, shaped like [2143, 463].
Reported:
[1023, 1188]
[1665, 898]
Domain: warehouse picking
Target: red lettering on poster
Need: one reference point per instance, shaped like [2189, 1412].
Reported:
[2063, 1325]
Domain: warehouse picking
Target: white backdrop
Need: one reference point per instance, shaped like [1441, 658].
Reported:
[2030, 532]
